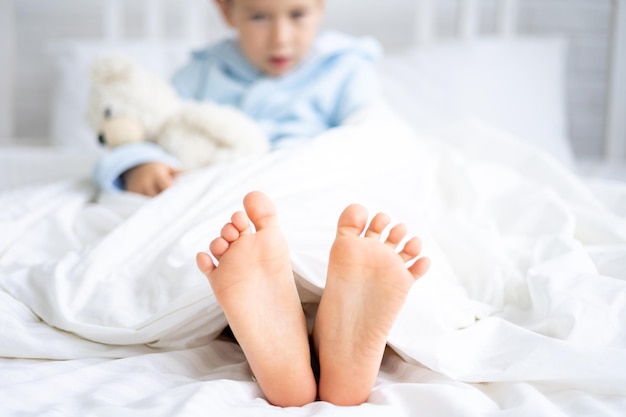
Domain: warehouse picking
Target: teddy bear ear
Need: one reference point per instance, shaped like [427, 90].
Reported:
[110, 68]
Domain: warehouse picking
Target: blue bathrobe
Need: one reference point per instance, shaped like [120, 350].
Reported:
[337, 78]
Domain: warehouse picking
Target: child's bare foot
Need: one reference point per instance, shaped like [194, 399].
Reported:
[366, 286]
[254, 285]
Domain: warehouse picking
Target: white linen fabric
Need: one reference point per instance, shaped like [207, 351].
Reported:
[523, 312]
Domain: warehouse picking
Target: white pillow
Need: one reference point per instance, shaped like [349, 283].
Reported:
[516, 84]
[73, 61]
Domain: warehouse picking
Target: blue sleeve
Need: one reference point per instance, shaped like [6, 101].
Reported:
[184, 81]
[359, 89]
[108, 171]
[189, 81]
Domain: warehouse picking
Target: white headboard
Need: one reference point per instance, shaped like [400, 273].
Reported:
[198, 20]
[194, 24]
[468, 13]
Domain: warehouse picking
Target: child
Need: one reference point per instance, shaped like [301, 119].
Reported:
[295, 86]
[366, 285]
[294, 83]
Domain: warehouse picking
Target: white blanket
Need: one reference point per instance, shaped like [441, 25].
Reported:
[103, 312]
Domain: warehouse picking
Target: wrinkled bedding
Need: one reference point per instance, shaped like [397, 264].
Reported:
[103, 312]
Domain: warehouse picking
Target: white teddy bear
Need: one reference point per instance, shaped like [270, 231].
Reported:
[129, 104]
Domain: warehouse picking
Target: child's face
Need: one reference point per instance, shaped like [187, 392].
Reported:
[274, 35]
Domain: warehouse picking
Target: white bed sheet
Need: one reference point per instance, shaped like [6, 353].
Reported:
[31, 164]
[524, 311]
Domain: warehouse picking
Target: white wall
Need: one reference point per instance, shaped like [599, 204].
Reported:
[587, 25]
[586, 22]
[6, 69]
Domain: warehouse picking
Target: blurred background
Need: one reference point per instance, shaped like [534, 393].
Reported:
[41, 23]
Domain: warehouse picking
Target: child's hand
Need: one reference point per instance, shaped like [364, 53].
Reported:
[150, 178]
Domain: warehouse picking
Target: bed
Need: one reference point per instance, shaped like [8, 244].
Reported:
[523, 313]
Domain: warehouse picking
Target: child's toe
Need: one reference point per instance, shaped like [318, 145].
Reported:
[352, 220]
[411, 249]
[229, 233]
[377, 225]
[396, 234]
[260, 210]
[241, 222]
[420, 267]
[219, 247]
[205, 263]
